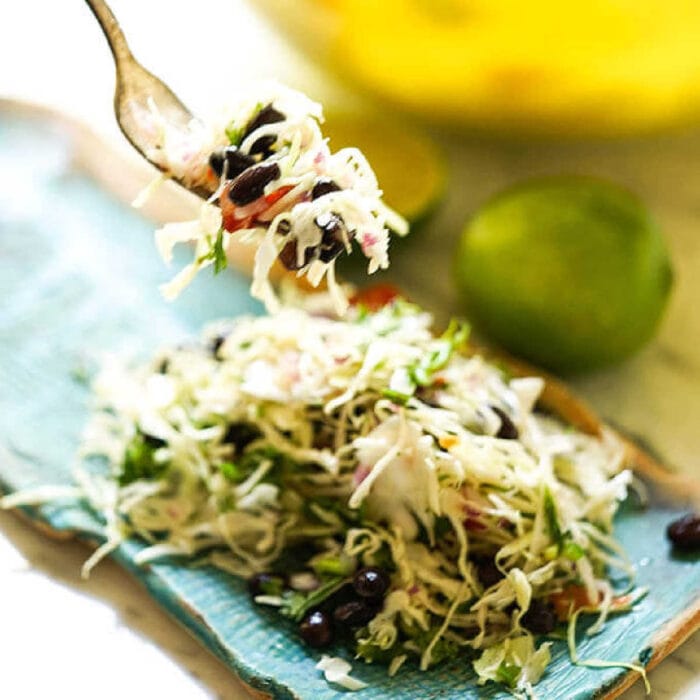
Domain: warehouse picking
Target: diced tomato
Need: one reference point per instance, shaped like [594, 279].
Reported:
[278, 194]
[228, 210]
[375, 296]
[569, 600]
[230, 218]
[473, 525]
[622, 601]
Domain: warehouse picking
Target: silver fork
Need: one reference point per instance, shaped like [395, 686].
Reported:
[135, 87]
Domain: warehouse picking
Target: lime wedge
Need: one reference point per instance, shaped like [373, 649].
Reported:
[408, 164]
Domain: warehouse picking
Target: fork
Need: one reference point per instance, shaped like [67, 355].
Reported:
[135, 89]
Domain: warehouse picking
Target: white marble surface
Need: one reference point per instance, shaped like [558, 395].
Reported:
[105, 637]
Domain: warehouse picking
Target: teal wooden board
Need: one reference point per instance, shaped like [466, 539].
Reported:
[78, 277]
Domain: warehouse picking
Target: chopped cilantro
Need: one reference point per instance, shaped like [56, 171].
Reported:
[220, 260]
[216, 253]
[232, 472]
[563, 544]
[442, 527]
[296, 604]
[550, 512]
[336, 506]
[271, 585]
[397, 397]
[139, 460]
[334, 566]
[452, 339]
[81, 375]
[243, 467]
[233, 134]
[442, 650]
[572, 551]
[508, 674]
[373, 653]
[282, 464]
[227, 503]
[362, 312]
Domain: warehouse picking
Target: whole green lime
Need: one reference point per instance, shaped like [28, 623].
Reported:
[568, 272]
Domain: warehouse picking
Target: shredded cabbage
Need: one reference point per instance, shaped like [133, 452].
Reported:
[290, 220]
[514, 662]
[337, 670]
[366, 441]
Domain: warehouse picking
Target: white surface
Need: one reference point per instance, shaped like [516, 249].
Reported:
[106, 638]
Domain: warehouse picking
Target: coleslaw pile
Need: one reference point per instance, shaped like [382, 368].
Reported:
[278, 186]
[304, 443]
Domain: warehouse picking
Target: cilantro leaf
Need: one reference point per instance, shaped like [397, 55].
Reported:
[233, 134]
[565, 546]
[397, 397]
[232, 472]
[282, 464]
[452, 339]
[219, 254]
[216, 253]
[296, 604]
[572, 551]
[139, 460]
[508, 674]
[442, 650]
[335, 566]
[550, 512]
[372, 653]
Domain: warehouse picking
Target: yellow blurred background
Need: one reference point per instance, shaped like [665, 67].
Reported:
[599, 67]
[528, 66]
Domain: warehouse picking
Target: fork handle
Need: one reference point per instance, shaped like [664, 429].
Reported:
[112, 31]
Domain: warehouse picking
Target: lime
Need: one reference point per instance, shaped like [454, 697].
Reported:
[409, 167]
[568, 272]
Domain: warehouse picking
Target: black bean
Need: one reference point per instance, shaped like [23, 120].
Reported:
[324, 185]
[153, 441]
[329, 251]
[240, 435]
[685, 532]
[316, 629]
[250, 184]
[267, 115]
[343, 595]
[236, 162]
[216, 343]
[263, 146]
[266, 584]
[539, 618]
[323, 436]
[487, 572]
[288, 256]
[371, 582]
[216, 161]
[507, 431]
[332, 236]
[284, 227]
[427, 395]
[355, 613]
